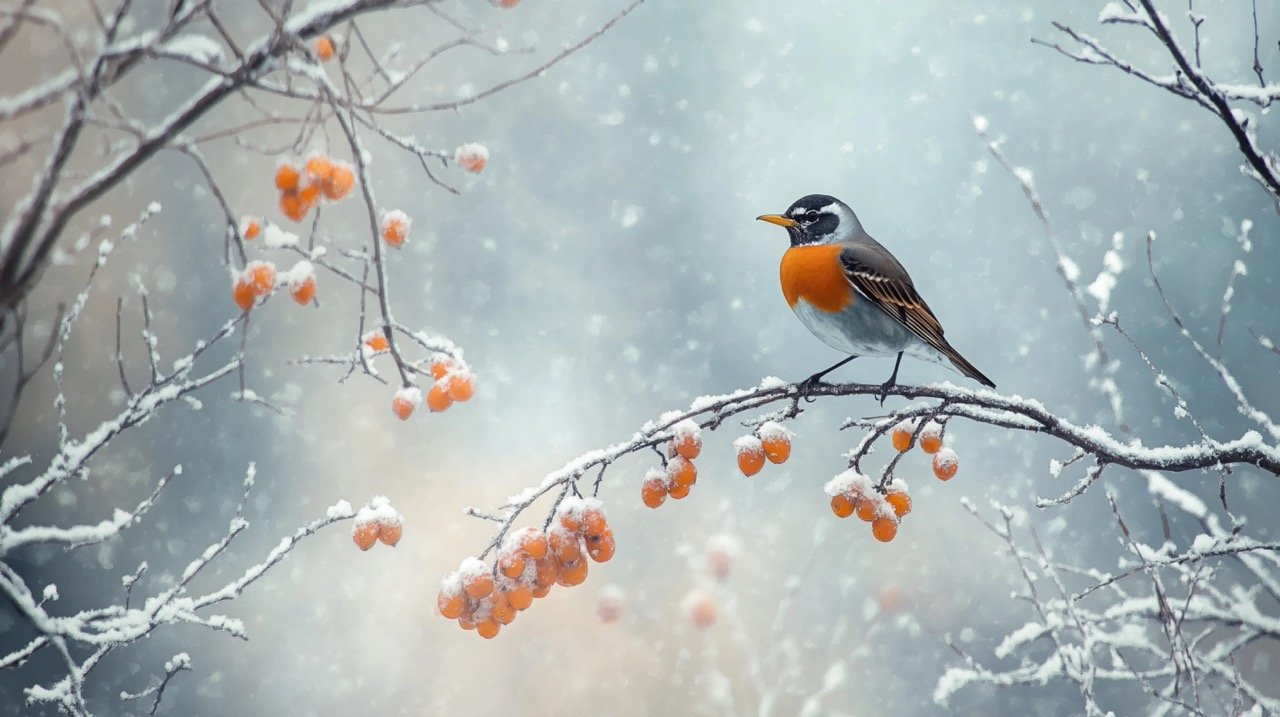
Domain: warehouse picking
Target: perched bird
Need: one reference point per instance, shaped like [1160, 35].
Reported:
[853, 294]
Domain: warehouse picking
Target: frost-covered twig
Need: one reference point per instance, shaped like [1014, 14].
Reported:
[1188, 79]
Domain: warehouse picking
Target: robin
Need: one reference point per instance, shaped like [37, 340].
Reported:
[853, 294]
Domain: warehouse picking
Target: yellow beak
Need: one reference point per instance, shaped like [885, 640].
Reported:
[777, 219]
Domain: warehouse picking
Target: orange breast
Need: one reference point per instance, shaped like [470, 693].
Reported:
[814, 273]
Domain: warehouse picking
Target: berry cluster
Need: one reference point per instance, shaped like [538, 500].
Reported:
[260, 278]
[452, 381]
[529, 563]
[771, 440]
[679, 474]
[300, 189]
[377, 521]
[883, 507]
[945, 460]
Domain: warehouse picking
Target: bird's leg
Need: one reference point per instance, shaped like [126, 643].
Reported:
[807, 385]
[893, 380]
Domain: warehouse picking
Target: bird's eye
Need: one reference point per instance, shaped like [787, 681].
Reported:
[811, 216]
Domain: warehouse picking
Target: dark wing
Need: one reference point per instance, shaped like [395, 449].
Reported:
[878, 276]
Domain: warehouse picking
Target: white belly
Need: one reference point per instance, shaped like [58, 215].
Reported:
[864, 330]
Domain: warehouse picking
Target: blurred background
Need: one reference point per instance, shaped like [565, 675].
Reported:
[607, 267]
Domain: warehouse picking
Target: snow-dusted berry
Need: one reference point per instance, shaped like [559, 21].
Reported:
[884, 528]
[775, 440]
[686, 439]
[945, 464]
[681, 472]
[904, 435]
[395, 227]
[653, 491]
[750, 455]
[404, 401]
[931, 437]
[471, 157]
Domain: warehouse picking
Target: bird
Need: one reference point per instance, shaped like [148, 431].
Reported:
[854, 295]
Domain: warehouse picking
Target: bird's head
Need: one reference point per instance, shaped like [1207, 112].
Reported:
[817, 219]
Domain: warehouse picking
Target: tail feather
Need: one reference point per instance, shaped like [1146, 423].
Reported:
[963, 366]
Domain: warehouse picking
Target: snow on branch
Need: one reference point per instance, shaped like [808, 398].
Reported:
[1187, 78]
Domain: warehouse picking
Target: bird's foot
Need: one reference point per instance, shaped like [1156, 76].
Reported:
[804, 389]
[884, 388]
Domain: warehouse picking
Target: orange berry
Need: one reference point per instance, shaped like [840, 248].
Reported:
[601, 547]
[377, 342]
[478, 585]
[324, 48]
[931, 438]
[654, 491]
[594, 522]
[866, 510]
[390, 532]
[462, 386]
[884, 529]
[900, 501]
[511, 565]
[261, 276]
[287, 177]
[687, 443]
[488, 629]
[243, 294]
[565, 545]
[450, 601]
[572, 573]
[775, 441]
[402, 407]
[777, 449]
[501, 609]
[681, 471]
[750, 455]
[309, 195]
[541, 591]
[508, 4]
[250, 228]
[365, 535]
[339, 182]
[471, 157]
[545, 573]
[678, 492]
[903, 436]
[304, 292]
[438, 399]
[319, 168]
[466, 621]
[520, 596]
[291, 206]
[534, 544]
[945, 464]
[571, 522]
[842, 505]
[700, 608]
[440, 367]
[395, 228]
